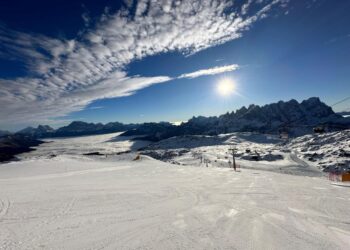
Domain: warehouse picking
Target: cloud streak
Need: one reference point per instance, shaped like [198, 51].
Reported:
[211, 71]
[66, 75]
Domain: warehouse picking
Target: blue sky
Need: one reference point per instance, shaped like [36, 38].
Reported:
[136, 61]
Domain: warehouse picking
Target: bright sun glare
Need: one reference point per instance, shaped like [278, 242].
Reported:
[225, 87]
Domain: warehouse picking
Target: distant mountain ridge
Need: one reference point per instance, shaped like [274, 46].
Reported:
[76, 128]
[4, 132]
[40, 131]
[291, 116]
[296, 118]
[82, 128]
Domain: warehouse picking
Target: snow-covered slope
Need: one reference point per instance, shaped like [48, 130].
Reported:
[253, 150]
[110, 201]
[65, 203]
[327, 151]
[256, 150]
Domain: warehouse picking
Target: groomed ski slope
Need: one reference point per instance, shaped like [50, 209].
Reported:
[72, 203]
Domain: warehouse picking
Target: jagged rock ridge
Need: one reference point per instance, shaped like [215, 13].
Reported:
[291, 116]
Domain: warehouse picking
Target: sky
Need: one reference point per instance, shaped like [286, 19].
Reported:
[143, 61]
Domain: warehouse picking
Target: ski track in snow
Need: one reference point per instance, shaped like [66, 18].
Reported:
[4, 207]
[153, 205]
[72, 203]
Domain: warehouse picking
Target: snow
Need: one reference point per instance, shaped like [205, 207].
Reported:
[273, 153]
[326, 150]
[108, 144]
[73, 201]
[305, 155]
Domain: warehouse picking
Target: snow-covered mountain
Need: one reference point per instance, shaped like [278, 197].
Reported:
[75, 128]
[39, 132]
[83, 128]
[153, 131]
[291, 116]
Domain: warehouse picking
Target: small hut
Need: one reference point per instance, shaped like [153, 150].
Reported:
[339, 177]
[340, 173]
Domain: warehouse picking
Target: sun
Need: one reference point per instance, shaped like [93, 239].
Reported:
[225, 87]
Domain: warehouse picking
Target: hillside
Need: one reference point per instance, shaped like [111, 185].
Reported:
[11, 145]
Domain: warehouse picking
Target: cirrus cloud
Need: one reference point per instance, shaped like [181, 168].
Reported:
[66, 75]
[211, 71]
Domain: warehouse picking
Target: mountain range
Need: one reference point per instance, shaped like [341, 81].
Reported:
[292, 117]
[289, 117]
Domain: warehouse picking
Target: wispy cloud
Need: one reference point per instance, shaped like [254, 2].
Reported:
[86, 16]
[211, 71]
[96, 107]
[67, 75]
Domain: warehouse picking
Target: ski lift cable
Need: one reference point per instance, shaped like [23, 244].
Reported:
[288, 123]
[341, 101]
